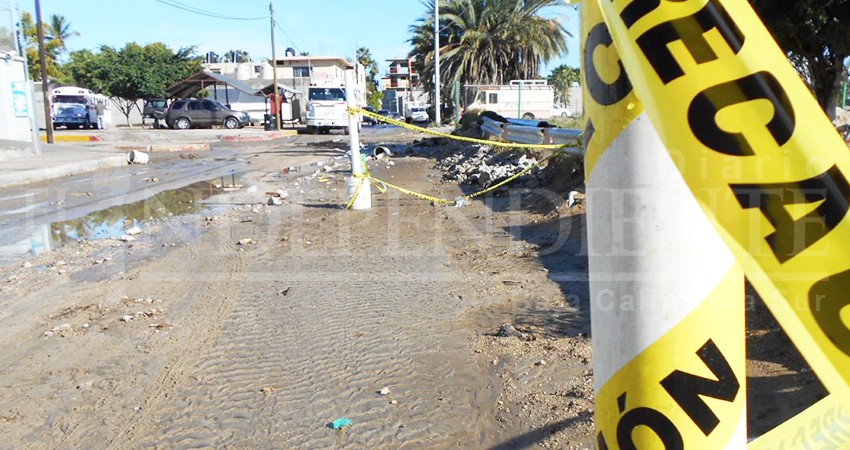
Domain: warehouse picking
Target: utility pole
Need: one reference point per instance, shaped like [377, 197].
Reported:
[437, 102]
[277, 104]
[45, 90]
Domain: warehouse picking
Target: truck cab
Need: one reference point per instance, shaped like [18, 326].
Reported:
[327, 108]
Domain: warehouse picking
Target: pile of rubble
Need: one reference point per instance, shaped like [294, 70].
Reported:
[479, 165]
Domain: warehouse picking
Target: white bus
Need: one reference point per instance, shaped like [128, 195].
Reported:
[75, 107]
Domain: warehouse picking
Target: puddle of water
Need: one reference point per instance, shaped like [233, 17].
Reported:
[114, 222]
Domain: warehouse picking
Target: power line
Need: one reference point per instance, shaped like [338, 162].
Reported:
[192, 9]
[291, 41]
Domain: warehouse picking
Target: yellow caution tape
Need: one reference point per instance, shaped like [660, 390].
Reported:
[435, 200]
[382, 185]
[826, 424]
[686, 389]
[408, 126]
[758, 153]
[353, 198]
[610, 103]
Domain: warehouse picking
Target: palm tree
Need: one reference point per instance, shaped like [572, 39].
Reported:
[60, 29]
[238, 56]
[561, 79]
[487, 41]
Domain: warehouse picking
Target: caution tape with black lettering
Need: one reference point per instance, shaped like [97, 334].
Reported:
[758, 153]
[685, 389]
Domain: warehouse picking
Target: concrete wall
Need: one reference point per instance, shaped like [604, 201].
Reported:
[16, 103]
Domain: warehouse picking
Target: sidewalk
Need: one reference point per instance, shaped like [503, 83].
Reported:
[18, 164]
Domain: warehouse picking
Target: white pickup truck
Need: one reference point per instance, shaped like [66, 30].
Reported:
[416, 114]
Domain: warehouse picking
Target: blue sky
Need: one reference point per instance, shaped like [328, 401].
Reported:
[321, 27]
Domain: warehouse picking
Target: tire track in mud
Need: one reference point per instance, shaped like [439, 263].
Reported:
[144, 389]
[284, 366]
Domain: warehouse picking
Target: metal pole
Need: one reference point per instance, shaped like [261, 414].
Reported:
[277, 103]
[457, 101]
[45, 89]
[437, 102]
[36, 142]
[519, 102]
[666, 293]
[358, 188]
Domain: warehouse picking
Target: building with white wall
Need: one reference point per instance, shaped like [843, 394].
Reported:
[16, 99]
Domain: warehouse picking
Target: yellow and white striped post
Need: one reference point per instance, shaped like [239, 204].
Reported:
[667, 307]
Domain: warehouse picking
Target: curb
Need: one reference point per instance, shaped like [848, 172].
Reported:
[20, 177]
[163, 148]
[265, 137]
[73, 138]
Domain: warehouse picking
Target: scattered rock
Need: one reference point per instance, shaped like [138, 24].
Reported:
[127, 318]
[508, 330]
[384, 391]
[134, 231]
[245, 241]
[481, 166]
[275, 201]
[63, 327]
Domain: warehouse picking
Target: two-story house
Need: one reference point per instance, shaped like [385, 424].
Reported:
[401, 85]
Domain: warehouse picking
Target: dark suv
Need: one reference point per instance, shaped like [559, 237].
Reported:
[153, 105]
[188, 113]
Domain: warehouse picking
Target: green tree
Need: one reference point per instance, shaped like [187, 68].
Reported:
[132, 73]
[561, 79]
[238, 56]
[815, 35]
[487, 41]
[7, 40]
[52, 48]
[373, 96]
[60, 30]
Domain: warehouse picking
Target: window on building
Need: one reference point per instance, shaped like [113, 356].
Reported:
[301, 71]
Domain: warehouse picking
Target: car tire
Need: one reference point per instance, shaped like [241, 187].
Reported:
[528, 116]
[231, 123]
[182, 123]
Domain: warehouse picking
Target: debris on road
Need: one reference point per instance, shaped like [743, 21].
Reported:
[341, 422]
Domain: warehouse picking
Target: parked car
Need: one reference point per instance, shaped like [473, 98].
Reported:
[395, 115]
[72, 116]
[152, 105]
[188, 113]
[561, 111]
[369, 120]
